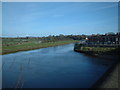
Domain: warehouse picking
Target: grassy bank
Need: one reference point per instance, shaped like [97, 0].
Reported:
[98, 50]
[32, 45]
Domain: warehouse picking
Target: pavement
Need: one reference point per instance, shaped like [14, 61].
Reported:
[112, 79]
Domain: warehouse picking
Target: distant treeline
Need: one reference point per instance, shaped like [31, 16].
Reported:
[61, 37]
[50, 38]
[8, 41]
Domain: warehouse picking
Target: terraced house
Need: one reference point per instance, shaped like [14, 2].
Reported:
[108, 38]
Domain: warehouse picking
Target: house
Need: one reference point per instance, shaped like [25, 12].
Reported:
[108, 38]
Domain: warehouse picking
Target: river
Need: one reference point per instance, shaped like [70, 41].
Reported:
[52, 67]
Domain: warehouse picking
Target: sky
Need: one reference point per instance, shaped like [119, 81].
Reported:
[53, 18]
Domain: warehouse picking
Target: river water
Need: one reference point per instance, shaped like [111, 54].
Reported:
[53, 67]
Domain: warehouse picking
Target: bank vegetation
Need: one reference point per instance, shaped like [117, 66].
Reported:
[11, 45]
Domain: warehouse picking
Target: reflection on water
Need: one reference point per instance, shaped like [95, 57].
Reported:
[53, 67]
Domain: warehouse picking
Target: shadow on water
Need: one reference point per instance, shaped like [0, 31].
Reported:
[112, 66]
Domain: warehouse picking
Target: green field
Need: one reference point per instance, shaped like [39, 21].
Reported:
[15, 45]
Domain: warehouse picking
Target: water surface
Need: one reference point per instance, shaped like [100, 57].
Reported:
[53, 67]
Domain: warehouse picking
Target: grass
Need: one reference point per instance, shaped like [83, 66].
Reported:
[31, 45]
[101, 49]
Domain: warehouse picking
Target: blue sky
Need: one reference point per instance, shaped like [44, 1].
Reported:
[54, 18]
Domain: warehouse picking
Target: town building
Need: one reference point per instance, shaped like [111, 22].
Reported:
[109, 38]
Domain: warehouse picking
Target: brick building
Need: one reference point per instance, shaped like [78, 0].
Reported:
[108, 38]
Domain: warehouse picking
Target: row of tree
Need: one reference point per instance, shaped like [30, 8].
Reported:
[50, 38]
[53, 38]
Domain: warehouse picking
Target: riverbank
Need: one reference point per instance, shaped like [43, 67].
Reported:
[32, 46]
[99, 51]
[111, 81]
[110, 78]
